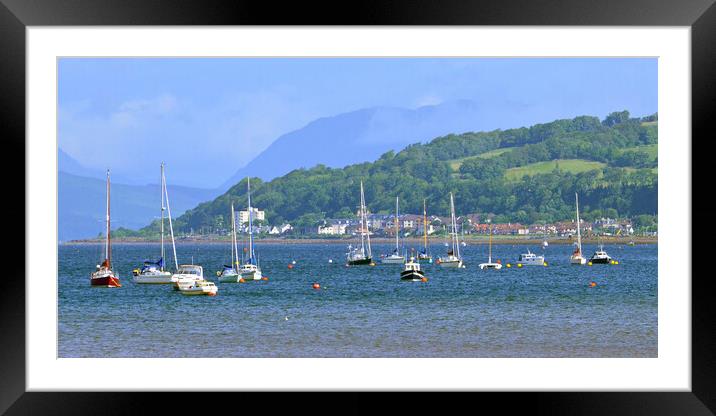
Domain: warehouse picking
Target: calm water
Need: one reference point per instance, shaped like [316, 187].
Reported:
[364, 311]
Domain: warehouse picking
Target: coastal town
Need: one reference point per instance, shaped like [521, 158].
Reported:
[413, 225]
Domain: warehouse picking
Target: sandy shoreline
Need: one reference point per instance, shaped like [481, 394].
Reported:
[412, 241]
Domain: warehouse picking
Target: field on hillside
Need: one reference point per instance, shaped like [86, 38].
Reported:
[456, 163]
[567, 165]
[650, 149]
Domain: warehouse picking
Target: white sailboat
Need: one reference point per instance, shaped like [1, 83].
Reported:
[490, 264]
[229, 274]
[153, 272]
[250, 270]
[453, 258]
[361, 255]
[395, 257]
[425, 253]
[577, 257]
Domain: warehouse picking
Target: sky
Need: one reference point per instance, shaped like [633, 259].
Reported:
[213, 115]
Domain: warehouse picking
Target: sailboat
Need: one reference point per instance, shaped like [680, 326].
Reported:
[104, 276]
[153, 272]
[250, 270]
[425, 253]
[453, 258]
[361, 255]
[577, 257]
[229, 274]
[490, 264]
[395, 257]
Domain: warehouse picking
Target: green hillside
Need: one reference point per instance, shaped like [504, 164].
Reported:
[567, 165]
[509, 173]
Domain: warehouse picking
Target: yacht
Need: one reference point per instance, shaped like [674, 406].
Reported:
[153, 272]
[425, 252]
[412, 271]
[577, 257]
[250, 270]
[395, 257]
[104, 276]
[490, 264]
[600, 256]
[531, 259]
[229, 274]
[199, 287]
[453, 258]
[361, 255]
[186, 275]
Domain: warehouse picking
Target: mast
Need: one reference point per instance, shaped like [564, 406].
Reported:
[251, 231]
[365, 233]
[161, 191]
[171, 228]
[397, 226]
[233, 237]
[425, 227]
[489, 255]
[455, 245]
[107, 248]
[579, 235]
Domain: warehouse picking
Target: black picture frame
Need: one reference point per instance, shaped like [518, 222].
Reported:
[16, 15]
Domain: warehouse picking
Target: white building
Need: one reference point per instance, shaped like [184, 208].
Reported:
[332, 229]
[256, 214]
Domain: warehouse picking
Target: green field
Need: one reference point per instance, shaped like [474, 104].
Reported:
[650, 149]
[456, 163]
[567, 165]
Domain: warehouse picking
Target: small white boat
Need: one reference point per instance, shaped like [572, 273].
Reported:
[577, 257]
[412, 271]
[531, 259]
[229, 274]
[425, 252]
[186, 275]
[600, 256]
[250, 270]
[394, 257]
[490, 264]
[361, 255]
[453, 258]
[200, 287]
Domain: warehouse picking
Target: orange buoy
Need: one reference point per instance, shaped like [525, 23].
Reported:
[290, 266]
[592, 284]
[241, 280]
[316, 286]
[424, 279]
[264, 278]
[499, 261]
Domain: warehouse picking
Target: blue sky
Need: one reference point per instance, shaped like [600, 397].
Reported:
[213, 115]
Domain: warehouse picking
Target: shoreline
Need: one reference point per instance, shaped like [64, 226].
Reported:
[413, 241]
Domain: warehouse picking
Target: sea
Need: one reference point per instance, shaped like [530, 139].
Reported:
[363, 311]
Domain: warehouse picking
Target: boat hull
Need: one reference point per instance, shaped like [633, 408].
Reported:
[488, 266]
[451, 263]
[532, 262]
[600, 260]
[360, 262]
[578, 260]
[192, 292]
[105, 281]
[393, 260]
[412, 275]
[230, 278]
[155, 279]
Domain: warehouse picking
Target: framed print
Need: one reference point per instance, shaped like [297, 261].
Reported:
[405, 198]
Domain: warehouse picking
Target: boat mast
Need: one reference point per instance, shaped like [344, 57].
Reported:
[489, 255]
[397, 226]
[579, 235]
[455, 244]
[107, 248]
[233, 237]
[365, 233]
[425, 227]
[251, 231]
[171, 227]
[161, 191]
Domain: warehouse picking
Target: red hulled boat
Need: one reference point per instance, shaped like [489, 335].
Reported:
[104, 276]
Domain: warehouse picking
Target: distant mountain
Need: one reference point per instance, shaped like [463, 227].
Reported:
[81, 203]
[364, 135]
[68, 164]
